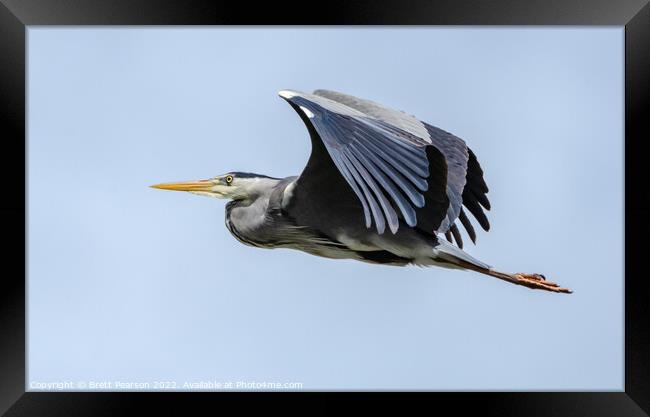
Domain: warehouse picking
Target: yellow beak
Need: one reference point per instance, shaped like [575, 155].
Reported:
[200, 185]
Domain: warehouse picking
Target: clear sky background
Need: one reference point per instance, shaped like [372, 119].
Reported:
[134, 284]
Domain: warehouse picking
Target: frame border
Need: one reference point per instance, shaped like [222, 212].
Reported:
[16, 15]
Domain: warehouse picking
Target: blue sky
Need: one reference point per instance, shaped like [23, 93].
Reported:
[134, 284]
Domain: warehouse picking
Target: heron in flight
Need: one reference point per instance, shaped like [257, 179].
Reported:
[380, 186]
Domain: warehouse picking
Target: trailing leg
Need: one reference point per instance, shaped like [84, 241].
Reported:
[535, 281]
[456, 256]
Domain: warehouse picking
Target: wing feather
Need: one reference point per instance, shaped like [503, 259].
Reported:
[382, 154]
[400, 164]
[408, 188]
[454, 231]
[465, 185]
[467, 225]
[407, 210]
[352, 139]
[387, 209]
[352, 177]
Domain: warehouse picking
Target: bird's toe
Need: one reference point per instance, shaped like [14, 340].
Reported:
[538, 281]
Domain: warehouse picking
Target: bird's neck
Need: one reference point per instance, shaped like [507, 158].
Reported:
[248, 218]
[245, 219]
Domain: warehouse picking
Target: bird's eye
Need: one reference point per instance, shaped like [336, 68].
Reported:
[229, 179]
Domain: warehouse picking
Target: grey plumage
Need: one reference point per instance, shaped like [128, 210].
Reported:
[380, 186]
[381, 146]
[453, 148]
[373, 168]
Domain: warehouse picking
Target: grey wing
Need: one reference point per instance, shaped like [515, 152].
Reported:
[464, 182]
[385, 166]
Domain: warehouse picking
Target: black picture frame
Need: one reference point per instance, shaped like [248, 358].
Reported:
[16, 15]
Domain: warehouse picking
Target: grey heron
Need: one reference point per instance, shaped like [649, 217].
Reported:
[380, 186]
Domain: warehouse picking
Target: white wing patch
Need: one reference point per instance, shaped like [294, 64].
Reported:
[307, 112]
[286, 94]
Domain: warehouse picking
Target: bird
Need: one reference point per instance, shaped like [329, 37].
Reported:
[380, 186]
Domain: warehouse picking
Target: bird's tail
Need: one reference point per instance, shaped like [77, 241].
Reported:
[449, 253]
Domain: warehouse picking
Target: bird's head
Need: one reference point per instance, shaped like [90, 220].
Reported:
[232, 186]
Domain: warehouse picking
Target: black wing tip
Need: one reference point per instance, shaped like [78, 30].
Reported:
[453, 236]
[456, 233]
[467, 225]
[483, 201]
[474, 207]
[485, 224]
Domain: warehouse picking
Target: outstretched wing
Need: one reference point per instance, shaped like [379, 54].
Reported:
[464, 181]
[385, 166]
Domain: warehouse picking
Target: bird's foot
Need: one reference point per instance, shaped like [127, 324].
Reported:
[537, 281]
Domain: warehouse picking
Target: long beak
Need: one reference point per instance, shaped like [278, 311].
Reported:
[200, 185]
